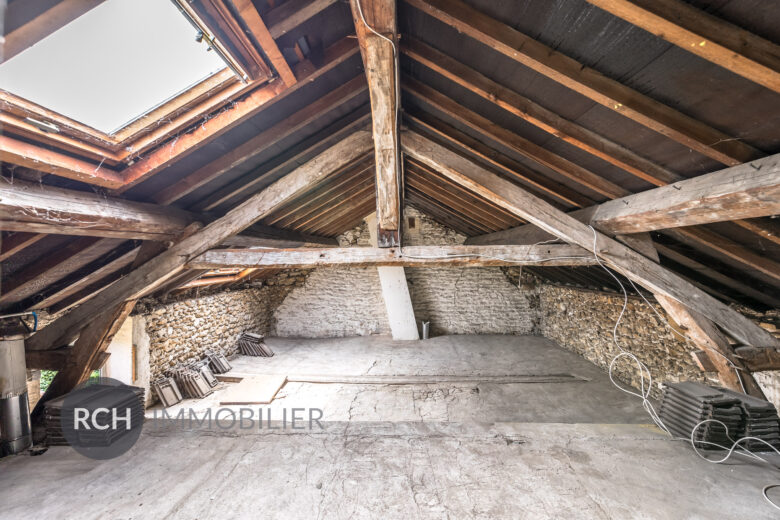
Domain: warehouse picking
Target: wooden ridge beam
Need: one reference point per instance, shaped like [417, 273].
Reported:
[628, 262]
[588, 82]
[409, 256]
[513, 141]
[161, 268]
[707, 36]
[371, 17]
[262, 141]
[256, 101]
[29, 155]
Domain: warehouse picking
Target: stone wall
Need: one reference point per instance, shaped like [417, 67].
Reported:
[180, 331]
[348, 301]
[582, 321]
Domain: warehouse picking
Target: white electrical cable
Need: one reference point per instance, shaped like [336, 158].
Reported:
[644, 394]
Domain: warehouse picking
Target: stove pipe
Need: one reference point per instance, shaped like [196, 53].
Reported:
[14, 407]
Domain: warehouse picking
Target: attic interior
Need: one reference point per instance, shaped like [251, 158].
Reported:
[379, 259]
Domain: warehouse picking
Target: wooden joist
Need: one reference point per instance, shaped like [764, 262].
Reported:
[408, 256]
[622, 258]
[371, 17]
[707, 36]
[588, 82]
[40, 208]
[161, 268]
[759, 359]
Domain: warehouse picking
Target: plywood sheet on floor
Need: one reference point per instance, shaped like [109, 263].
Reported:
[253, 390]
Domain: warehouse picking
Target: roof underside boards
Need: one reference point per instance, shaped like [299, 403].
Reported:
[448, 112]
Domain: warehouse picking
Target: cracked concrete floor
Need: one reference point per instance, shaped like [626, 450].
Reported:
[509, 450]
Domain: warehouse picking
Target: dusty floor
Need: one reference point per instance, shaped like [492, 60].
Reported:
[465, 448]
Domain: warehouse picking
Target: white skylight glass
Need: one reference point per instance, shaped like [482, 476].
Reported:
[113, 64]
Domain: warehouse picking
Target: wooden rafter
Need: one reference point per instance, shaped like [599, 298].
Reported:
[379, 60]
[624, 259]
[161, 268]
[511, 140]
[260, 142]
[707, 36]
[410, 256]
[247, 10]
[537, 115]
[16, 242]
[588, 82]
[292, 13]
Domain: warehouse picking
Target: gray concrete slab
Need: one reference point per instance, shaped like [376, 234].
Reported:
[437, 451]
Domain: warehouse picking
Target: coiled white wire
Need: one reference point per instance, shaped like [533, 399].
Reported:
[644, 393]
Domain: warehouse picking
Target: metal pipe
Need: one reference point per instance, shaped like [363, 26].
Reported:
[14, 406]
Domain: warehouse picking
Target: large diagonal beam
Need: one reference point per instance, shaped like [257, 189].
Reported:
[707, 36]
[167, 264]
[631, 264]
[371, 17]
[748, 190]
[588, 82]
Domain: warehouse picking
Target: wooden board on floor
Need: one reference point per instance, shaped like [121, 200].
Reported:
[253, 390]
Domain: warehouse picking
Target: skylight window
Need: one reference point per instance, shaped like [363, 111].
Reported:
[112, 65]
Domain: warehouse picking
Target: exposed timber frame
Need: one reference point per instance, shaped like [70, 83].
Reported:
[380, 61]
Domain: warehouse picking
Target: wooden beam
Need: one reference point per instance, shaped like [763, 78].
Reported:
[588, 82]
[537, 115]
[247, 10]
[745, 191]
[259, 235]
[52, 267]
[271, 170]
[256, 101]
[39, 208]
[720, 278]
[58, 359]
[86, 352]
[16, 242]
[409, 256]
[537, 182]
[628, 262]
[759, 266]
[759, 359]
[706, 336]
[707, 36]
[262, 141]
[30, 156]
[514, 142]
[169, 263]
[379, 62]
[292, 13]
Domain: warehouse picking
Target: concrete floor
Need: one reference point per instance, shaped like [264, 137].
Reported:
[461, 449]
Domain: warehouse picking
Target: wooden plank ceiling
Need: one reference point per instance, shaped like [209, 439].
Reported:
[591, 108]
